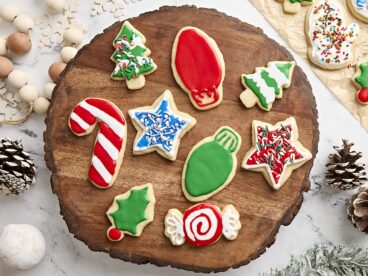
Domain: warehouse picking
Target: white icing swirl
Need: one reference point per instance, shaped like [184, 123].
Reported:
[201, 225]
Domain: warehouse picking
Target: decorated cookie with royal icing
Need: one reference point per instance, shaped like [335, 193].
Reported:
[198, 67]
[160, 127]
[331, 39]
[294, 6]
[276, 151]
[266, 85]
[359, 8]
[360, 80]
[131, 57]
[211, 165]
[202, 224]
[131, 212]
[111, 139]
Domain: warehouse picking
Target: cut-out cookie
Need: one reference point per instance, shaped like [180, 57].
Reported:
[360, 80]
[202, 224]
[160, 127]
[359, 8]
[198, 67]
[111, 139]
[294, 6]
[131, 212]
[266, 84]
[211, 165]
[331, 39]
[131, 57]
[276, 151]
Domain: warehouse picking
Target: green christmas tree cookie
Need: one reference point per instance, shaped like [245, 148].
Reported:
[361, 81]
[131, 57]
[210, 165]
[266, 84]
[131, 212]
[294, 6]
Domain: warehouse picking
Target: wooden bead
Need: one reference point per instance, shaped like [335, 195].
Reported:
[55, 6]
[40, 105]
[28, 93]
[56, 69]
[23, 23]
[17, 78]
[19, 43]
[8, 12]
[68, 53]
[48, 89]
[6, 66]
[3, 48]
[73, 36]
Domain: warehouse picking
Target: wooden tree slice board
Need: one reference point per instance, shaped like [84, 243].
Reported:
[262, 210]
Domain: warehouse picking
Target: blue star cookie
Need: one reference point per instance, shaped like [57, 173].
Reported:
[160, 127]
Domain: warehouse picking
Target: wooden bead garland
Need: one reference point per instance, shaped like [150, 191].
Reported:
[72, 37]
[55, 70]
[19, 42]
[55, 6]
[6, 66]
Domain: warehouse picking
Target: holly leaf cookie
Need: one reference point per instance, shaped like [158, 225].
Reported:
[360, 80]
[331, 40]
[202, 224]
[276, 151]
[211, 165]
[131, 57]
[359, 8]
[198, 67]
[160, 127]
[111, 139]
[294, 6]
[266, 84]
[131, 212]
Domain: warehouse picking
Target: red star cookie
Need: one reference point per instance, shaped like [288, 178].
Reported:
[276, 151]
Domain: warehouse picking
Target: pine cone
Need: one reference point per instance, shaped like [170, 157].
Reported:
[17, 170]
[358, 209]
[343, 171]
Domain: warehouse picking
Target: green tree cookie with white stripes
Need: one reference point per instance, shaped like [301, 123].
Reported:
[294, 6]
[267, 84]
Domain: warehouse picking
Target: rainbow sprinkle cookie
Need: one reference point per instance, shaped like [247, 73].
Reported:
[331, 40]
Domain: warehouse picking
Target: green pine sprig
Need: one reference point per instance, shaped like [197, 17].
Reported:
[325, 260]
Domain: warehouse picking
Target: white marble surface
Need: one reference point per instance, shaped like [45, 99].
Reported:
[322, 217]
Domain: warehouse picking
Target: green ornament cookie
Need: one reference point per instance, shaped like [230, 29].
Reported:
[211, 165]
[131, 212]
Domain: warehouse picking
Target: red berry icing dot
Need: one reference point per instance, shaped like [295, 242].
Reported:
[363, 95]
[114, 234]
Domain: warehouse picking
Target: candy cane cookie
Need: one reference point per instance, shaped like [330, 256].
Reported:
[111, 139]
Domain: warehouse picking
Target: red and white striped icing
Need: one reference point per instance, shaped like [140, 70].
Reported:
[202, 224]
[111, 139]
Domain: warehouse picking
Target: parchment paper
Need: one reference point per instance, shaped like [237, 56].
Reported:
[291, 28]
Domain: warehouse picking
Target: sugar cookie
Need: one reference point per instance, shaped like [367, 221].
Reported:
[202, 224]
[276, 151]
[198, 67]
[131, 212]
